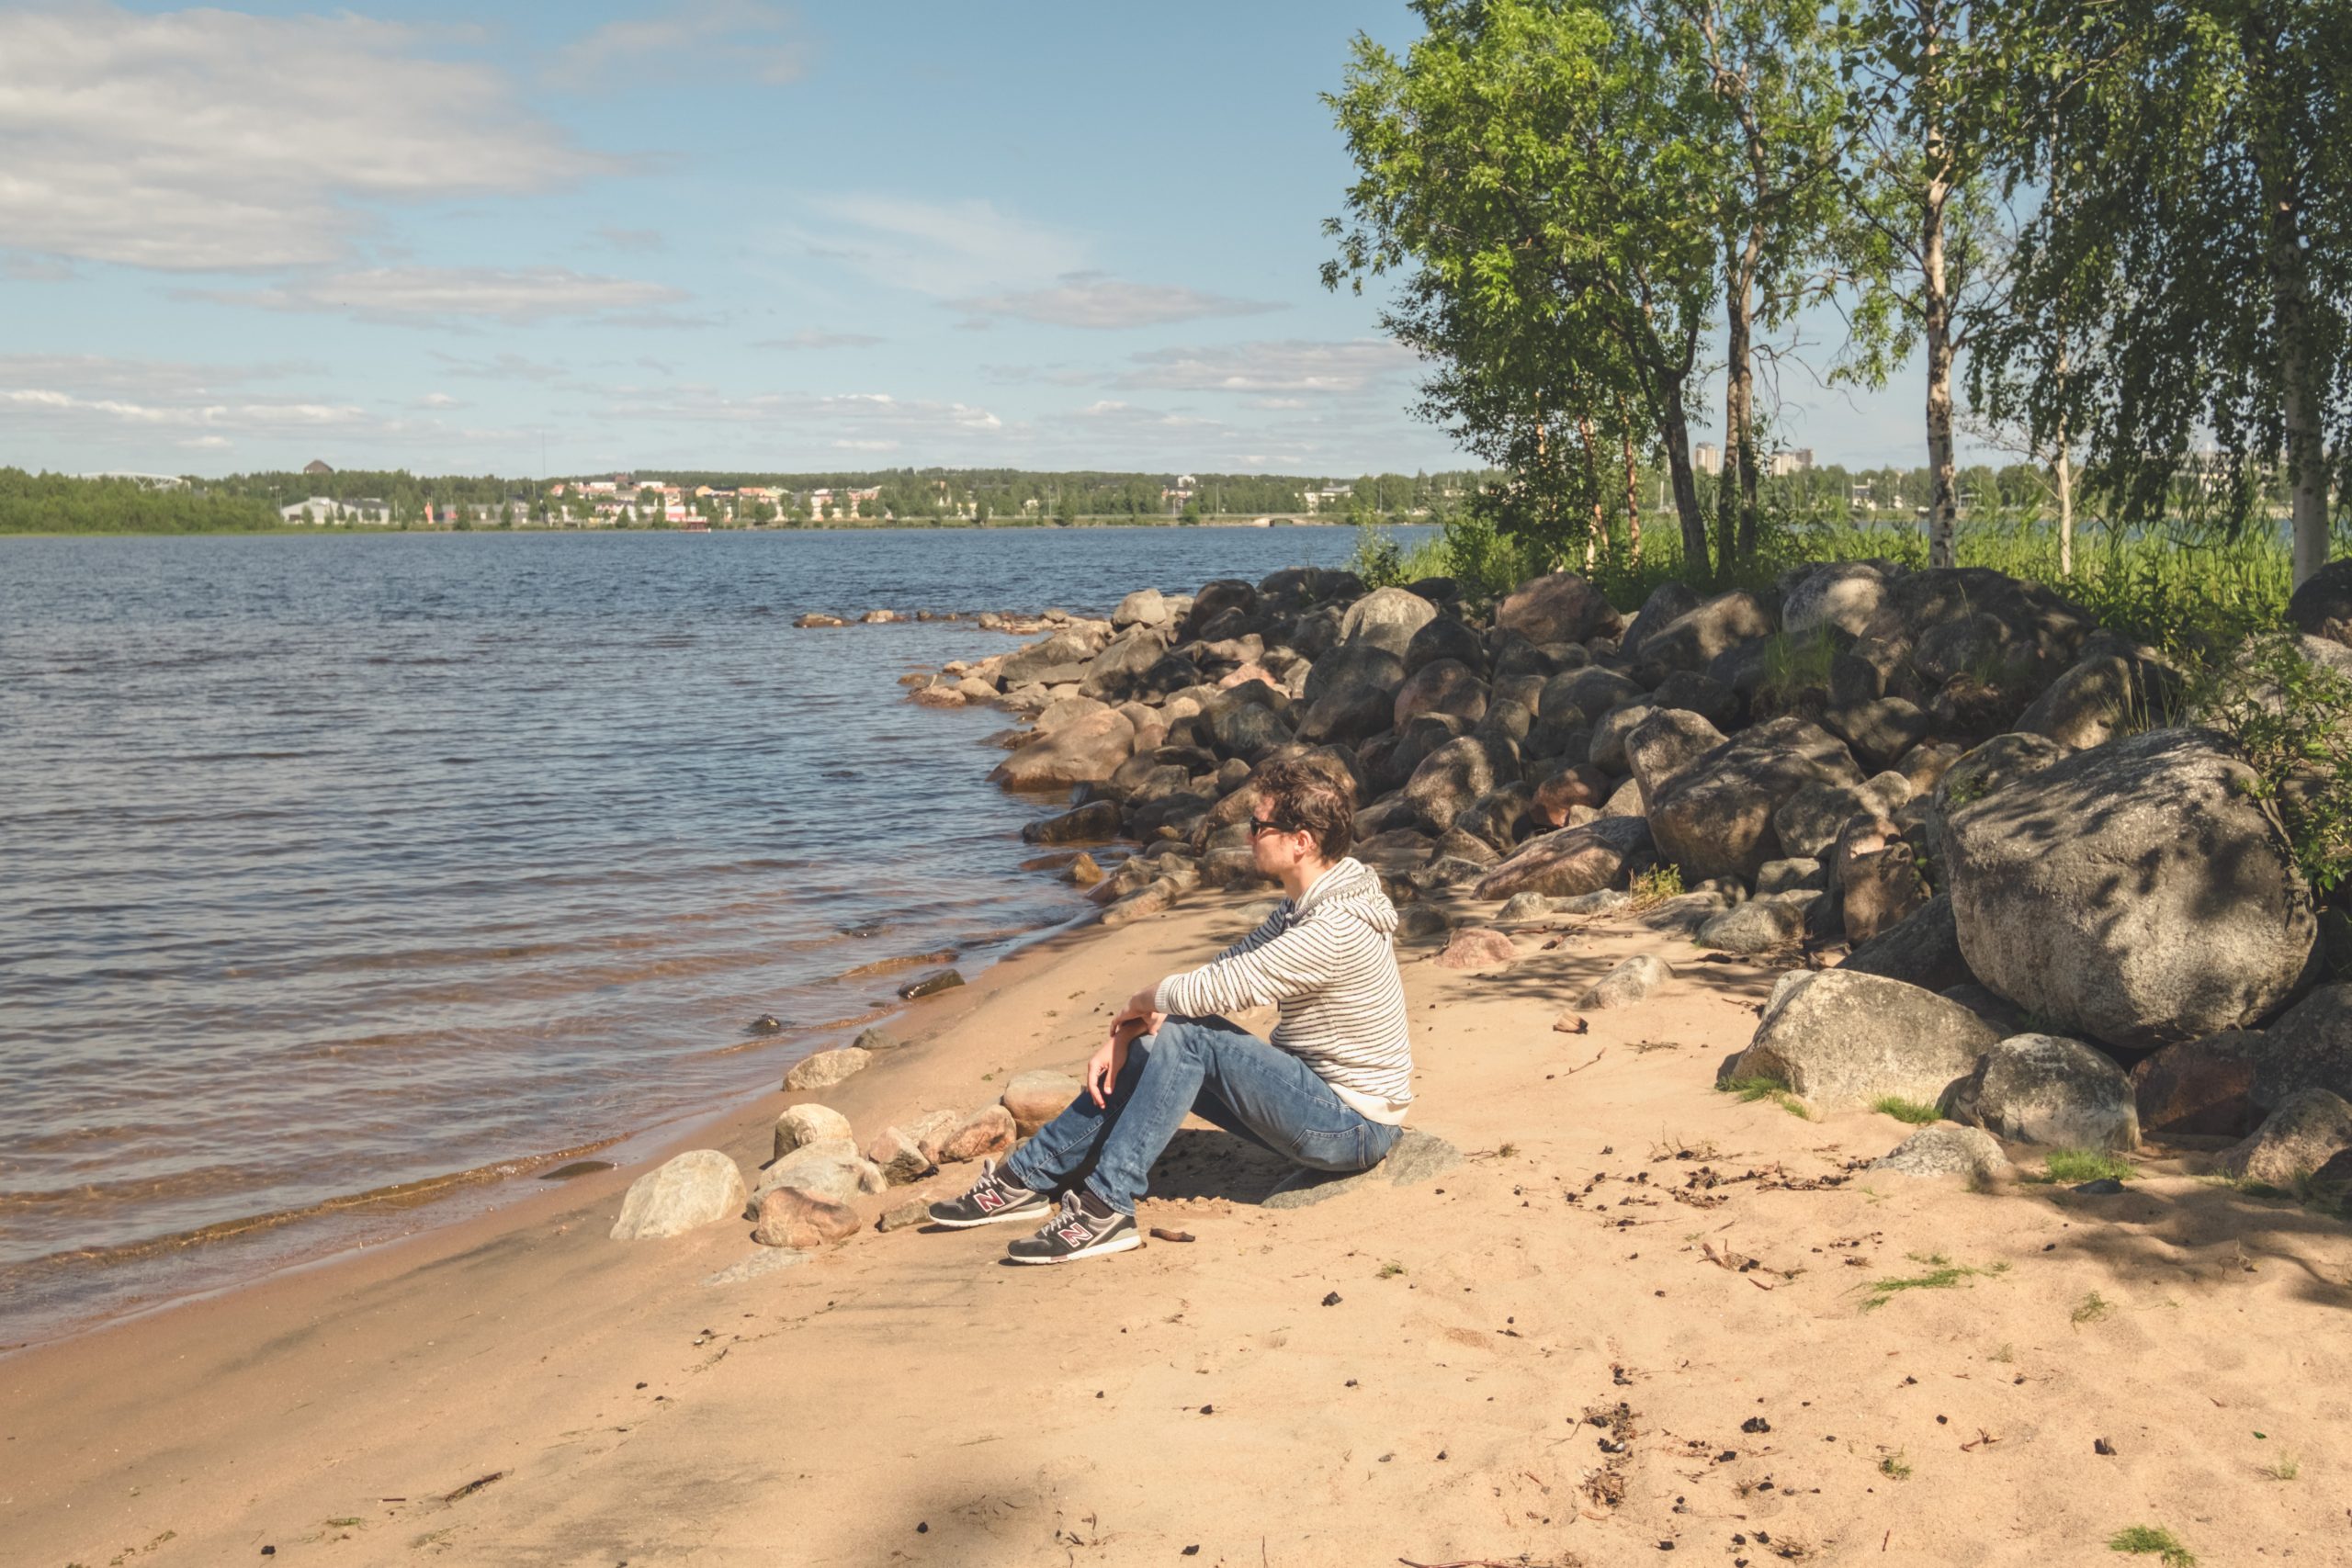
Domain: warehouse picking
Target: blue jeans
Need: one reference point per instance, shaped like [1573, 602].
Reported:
[1229, 1077]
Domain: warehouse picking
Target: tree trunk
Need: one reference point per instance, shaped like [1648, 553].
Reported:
[1597, 536]
[2065, 469]
[1686, 488]
[2299, 376]
[1633, 490]
[1935, 310]
[1740, 475]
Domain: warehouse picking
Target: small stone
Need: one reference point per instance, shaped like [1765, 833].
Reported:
[825, 1069]
[833, 1170]
[807, 1123]
[698, 1188]
[789, 1217]
[1415, 1158]
[930, 986]
[1755, 1423]
[914, 1210]
[1946, 1148]
[1635, 980]
[2105, 1187]
[1332, 1300]
[1477, 947]
[902, 1159]
[1033, 1099]
[985, 1133]
[1570, 1023]
[1522, 907]
[1085, 871]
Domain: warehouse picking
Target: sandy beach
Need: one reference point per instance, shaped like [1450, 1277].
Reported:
[1638, 1318]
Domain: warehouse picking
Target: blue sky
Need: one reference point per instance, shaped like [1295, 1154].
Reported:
[721, 233]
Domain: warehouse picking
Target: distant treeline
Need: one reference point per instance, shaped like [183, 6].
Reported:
[60, 504]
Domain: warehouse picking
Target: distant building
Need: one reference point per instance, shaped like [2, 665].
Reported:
[323, 510]
[316, 467]
[1708, 458]
[1785, 463]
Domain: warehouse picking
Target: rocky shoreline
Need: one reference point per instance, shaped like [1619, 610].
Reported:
[2008, 878]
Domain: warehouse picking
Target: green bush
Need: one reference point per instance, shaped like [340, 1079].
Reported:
[2293, 720]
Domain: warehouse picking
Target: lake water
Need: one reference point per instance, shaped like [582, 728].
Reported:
[336, 868]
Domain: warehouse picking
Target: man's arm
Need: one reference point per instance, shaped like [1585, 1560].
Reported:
[1300, 960]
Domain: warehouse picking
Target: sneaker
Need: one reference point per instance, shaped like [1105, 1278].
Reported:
[1084, 1228]
[991, 1200]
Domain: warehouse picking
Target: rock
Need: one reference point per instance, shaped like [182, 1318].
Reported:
[2322, 607]
[1476, 947]
[1626, 800]
[1921, 949]
[1682, 914]
[906, 1212]
[2000, 1015]
[1579, 784]
[983, 1134]
[1386, 618]
[2203, 1088]
[1145, 606]
[1983, 771]
[1666, 742]
[1522, 908]
[1636, 979]
[1607, 901]
[931, 985]
[1612, 730]
[765, 1261]
[1790, 875]
[1093, 822]
[1487, 828]
[1247, 731]
[1946, 1149]
[1879, 892]
[1585, 692]
[789, 1217]
[1759, 925]
[1879, 729]
[698, 1188]
[1692, 641]
[2138, 892]
[1667, 602]
[2309, 1128]
[809, 1123]
[1350, 694]
[2096, 700]
[833, 1170]
[1055, 653]
[1414, 1158]
[1445, 638]
[1033, 1099]
[898, 1157]
[1445, 686]
[1442, 875]
[825, 1069]
[1423, 922]
[874, 1037]
[1063, 712]
[1561, 607]
[1455, 774]
[1150, 900]
[1713, 816]
[1808, 822]
[2043, 1089]
[1926, 764]
[1841, 1039]
[1845, 594]
[1087, 750]
[2308, 1046]
[1570, 862]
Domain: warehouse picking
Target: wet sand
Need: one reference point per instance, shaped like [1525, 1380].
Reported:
[518, 1389]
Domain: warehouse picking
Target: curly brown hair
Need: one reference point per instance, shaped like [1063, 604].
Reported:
[1313, 792]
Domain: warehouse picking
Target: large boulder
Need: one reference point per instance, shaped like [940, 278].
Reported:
[1145, 606]
[1635, 979]
[1116, 673]
[1457, 773]
[698, 1188]
[1572, 861]
[1386, 618]
[1694, 641]
[1033, 1099]
[1842, 1039]
[1446, 685]
[1609, 732]
[833, 1170]
[2309, 1128]
[1983, 771]
[1844, 594]
[809, 1123]
[2204, 1088]
[1668, 601]
[1350, 693]
[2139, 893]
[826, 1068]
[1809, 821]
[791, 1218]
[1922, 948]
[1713, 816]
[2322, 607]
[1759, 925]
[1220, 597]
[2041, 1088]
[2097, 700]
[2308, 1046]
[1879, 891]
[1561, 607]
[1088, 750]
[1446, 637]
[1061, 651]
[1665, 742]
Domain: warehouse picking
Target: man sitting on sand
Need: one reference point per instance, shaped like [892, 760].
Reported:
[1329, 1093]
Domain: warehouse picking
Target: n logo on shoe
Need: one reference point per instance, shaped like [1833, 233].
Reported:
[986, 1200]
[1077, 1234]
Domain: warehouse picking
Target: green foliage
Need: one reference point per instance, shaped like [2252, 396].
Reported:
[1751, 1089]
[2151, 1540]
[1657, 884]
[2086, 1165]
[1916, 1113]
[2092, 1308]
[2293, 717]
[60, 504]
[1379, 559]
[1894, 1466]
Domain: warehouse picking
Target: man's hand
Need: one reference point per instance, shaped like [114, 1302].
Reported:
[1136, 1020]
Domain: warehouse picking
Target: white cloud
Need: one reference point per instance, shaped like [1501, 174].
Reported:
[1282, 367]
[50, 401]
[503, 367]
[938, 248]
[740, 38]
[438, 401]
[633, 240]
[514, 296]
[782, 423]
[812, 340]
[210, 140]
[1097, 300]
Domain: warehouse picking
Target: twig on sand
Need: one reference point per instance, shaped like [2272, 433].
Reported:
[471, 1487]
[1595, 1057]
[1474, 1562]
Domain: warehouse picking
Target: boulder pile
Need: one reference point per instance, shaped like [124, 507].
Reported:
[1958, 775]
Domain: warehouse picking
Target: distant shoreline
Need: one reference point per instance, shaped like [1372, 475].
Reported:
[341, 529]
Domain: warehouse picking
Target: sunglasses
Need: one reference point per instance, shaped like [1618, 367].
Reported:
[1276, 825]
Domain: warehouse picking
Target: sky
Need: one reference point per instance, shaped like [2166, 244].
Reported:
[717, 234]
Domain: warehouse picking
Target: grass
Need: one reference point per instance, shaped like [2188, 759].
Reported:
[2286, 1467]
[1894, 1467]
[1751, 1089]
[1390, 1270]
[2152, 1541]
[2005, 1353]
[1918, 1112]
[1942, 1274]
[1656, 886]
[2092, 1308]
[2086, 1165]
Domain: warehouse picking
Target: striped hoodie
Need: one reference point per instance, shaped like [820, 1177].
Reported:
[1330, 961]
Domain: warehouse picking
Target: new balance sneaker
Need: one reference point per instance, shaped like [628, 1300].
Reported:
[990, 1201]
[1084, 1227]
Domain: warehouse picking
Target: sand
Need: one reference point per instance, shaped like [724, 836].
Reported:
[517, 1389]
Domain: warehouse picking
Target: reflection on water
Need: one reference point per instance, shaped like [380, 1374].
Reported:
[352, 866]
